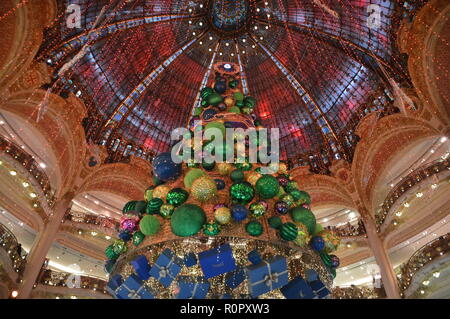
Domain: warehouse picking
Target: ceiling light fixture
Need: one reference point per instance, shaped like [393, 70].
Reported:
[13, 173]
[419, 194]
[33, 195]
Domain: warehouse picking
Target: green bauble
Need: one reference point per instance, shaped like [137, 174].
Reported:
[302, 197]
[110, 254]
[211, 229]
[140, 206]
[235, 109]
[204, 189]
[288, 199]
[318, 229]
[149, 225]
[249, 101]
[206, 91]
[257, 209]
[119, 247]
[153, 206]
[326, 259]
[138, 238]
[233, 84]
[148, 193]
[166, 211]
[244, 166]
[242, 192]
[296, 194]
[291, 186]
[187, 220]
[129, 206]
[246, 110]
[288, 231]
[191, 176]
[214, 99]
[267, 186]
[254, 228]
[177, 196]
[238, 96]
[237, 176]
[305, 216]
[275, 222]
[281, 192]
[208, 166]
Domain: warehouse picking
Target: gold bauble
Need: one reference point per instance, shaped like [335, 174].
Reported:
[229, 101]
[224, 169]
[222, 215]
[253, 177]
[303, 236]
[282, 168]
[161, 191]
[204, 189]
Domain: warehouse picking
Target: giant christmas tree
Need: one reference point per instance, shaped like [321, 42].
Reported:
[218, 229]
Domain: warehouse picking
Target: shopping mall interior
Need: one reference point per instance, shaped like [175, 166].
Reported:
[93, 204]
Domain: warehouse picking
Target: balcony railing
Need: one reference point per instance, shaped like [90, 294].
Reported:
[413, 178]
[357, 293]
[349, 231]
[97, 220]
[10, 244]
[422, 257]
[30, 164]
[53, 278]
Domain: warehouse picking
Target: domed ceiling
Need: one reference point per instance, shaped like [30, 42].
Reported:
[313, 65]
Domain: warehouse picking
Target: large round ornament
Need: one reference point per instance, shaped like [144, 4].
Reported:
[267, 186]
[138, 238]
[220, 87]
[318, 229]
[242, 192]
[237, 176]
[331, 240]
[211, 229]
[222, 215]
[191, 176]
[129, 206]
[304, 216]
[165, 168]
[317, 243]
[214, 99]
[177, 196]
[161, 192]
[149, 225]
[257, 209]
[166, 211]
[275, 222]
[288, 231]
[187, 220]
[204, 189]
[281, 208]
[110, 253]
[303, 236]
[254, 228]
[239, 212]
[154, 205]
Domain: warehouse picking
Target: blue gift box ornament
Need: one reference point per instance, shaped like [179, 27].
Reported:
[254, 257]
[190, 260]
[226, 296]
[192, 288]
[235, 278]
[141, 267]
[319, 289]
[134, 288]
[114, 284]
[297, 288]
[311, 275]
[166, 267]
[217, 261]
[267, 276]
